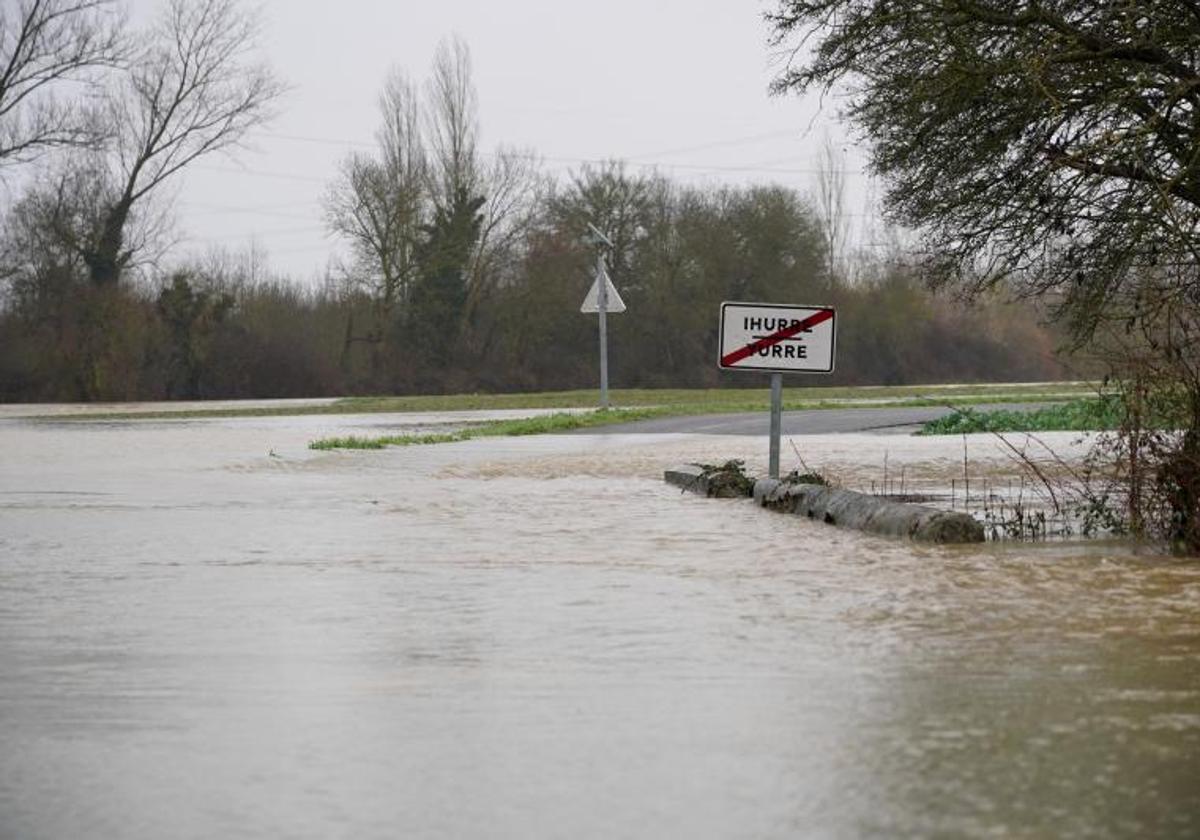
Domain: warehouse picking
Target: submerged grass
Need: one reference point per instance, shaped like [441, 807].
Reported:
[1076, 416]
[560, 422]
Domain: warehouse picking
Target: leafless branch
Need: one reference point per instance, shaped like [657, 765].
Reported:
[52, 52]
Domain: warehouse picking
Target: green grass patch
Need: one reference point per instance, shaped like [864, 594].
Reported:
[714, 400]
[544, 424]
[355, 442]
[676, 400]
[1075, 416]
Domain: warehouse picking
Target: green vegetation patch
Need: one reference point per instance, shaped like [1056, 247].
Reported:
[1075, 416]
[797, 477]
[356, 442]
[677, 401]
[559, 422]
[728, 480]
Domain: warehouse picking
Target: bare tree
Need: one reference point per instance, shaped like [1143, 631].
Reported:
[504, 189]
[377, 203]
[49, 229]
[831, 204]
[46, 46]
[512, 186]
[616, 202]
[425, 205]
[196, 89]
[452, 124]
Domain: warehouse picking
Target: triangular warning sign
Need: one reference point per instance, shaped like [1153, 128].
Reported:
[613, 302]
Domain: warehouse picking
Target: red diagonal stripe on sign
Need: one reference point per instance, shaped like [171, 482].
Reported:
[774, 338]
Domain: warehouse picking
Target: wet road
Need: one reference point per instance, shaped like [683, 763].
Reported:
[207, 630]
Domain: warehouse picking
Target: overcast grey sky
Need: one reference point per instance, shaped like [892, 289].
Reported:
[679, 85]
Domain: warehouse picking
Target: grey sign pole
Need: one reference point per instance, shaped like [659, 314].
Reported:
[776, 423]
[602, 304]
[602, 241]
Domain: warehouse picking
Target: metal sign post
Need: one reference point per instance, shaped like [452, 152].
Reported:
[602, 299]
[776, 423]
[780, 339]
[602, 307]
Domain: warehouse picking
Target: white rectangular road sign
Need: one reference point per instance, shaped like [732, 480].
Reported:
[777, 337]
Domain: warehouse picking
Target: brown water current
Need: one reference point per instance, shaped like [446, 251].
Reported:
[207, 630]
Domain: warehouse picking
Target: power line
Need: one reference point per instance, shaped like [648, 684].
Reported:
[304, 250]
[309, 229]
[690, 167]
[275, 205]
[211, 209]
[716, 144]
[262, 173]
[629, 161]
[324, 141]
[762, 169]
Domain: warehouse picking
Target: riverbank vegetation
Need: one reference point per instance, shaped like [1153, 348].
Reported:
[1048, 149]
[1094, 414]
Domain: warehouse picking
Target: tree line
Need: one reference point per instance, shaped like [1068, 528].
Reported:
[465, 270]
[225, 326]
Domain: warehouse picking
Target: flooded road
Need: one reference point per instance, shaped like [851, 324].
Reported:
[207, 630]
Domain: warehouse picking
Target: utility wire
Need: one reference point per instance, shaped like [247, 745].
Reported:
[630, 161]
[290, 176]
[716, 144]
[309, 230]
[262, 173]
[214, 209]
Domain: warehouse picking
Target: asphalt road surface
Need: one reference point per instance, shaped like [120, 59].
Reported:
[811, 422]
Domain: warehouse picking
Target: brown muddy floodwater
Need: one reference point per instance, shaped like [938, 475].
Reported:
[207, 630]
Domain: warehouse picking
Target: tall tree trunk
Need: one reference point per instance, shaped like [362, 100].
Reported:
[104, 258]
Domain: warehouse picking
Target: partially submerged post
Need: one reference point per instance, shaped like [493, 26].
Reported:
[778, 338]
[776, 423]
